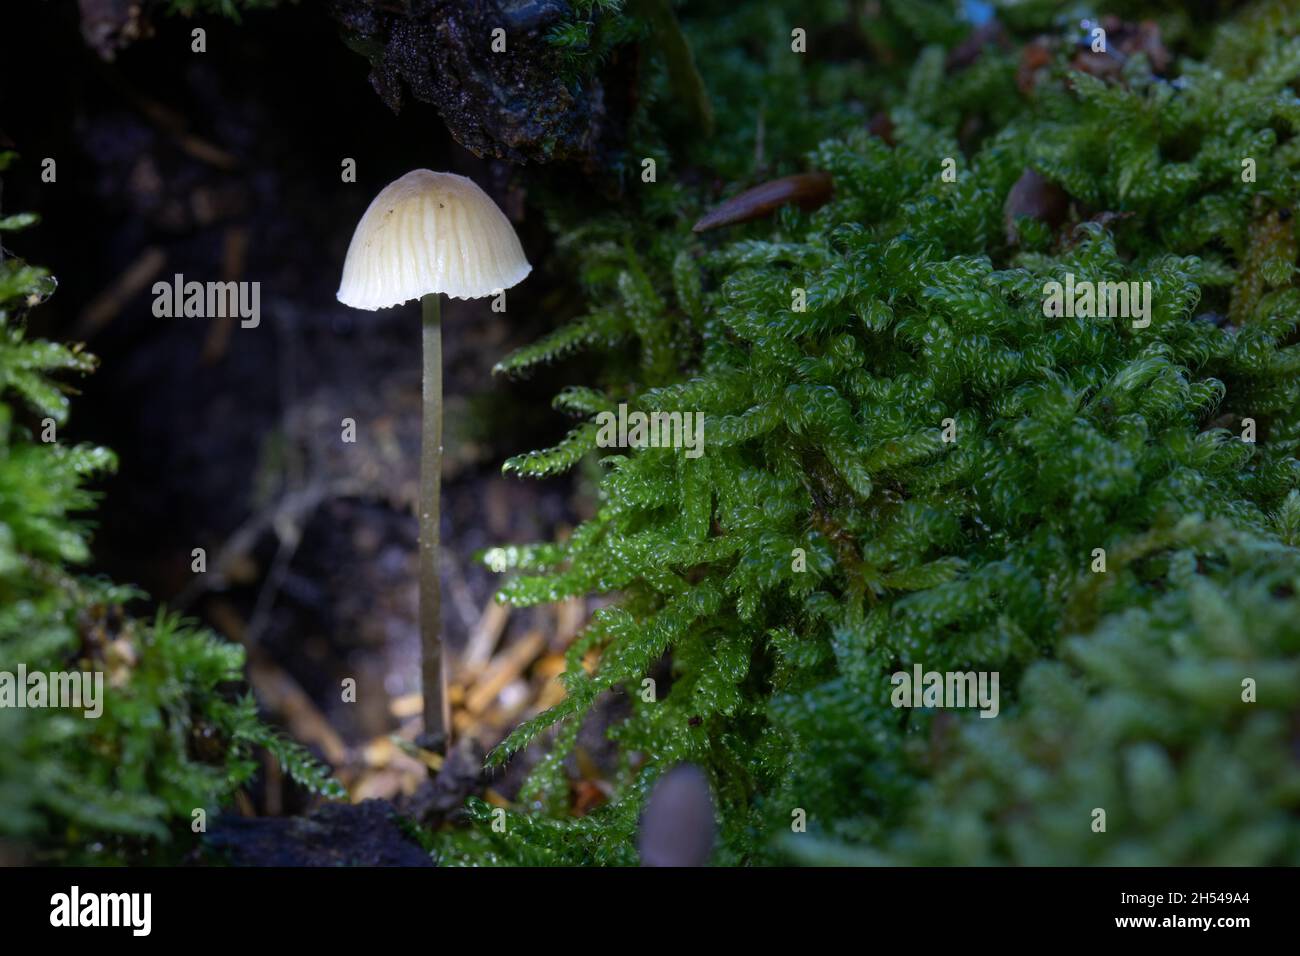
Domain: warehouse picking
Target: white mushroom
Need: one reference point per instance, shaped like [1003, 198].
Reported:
[427, 234]
[430, 232]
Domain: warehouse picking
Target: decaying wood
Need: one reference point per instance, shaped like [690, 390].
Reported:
[511, 104]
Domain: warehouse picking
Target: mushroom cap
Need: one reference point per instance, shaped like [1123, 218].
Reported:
[430, 232]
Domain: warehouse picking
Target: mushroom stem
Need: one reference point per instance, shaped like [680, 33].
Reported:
[437, 724]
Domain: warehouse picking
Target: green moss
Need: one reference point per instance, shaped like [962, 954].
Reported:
[178, 730]
[824, 434]
[585, 40]
[1144, 718]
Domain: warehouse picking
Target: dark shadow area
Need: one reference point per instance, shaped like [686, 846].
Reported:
[230, 438]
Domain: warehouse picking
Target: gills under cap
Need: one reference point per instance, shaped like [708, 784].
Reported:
[430, 232]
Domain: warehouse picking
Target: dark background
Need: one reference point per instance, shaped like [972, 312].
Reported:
[225, 165]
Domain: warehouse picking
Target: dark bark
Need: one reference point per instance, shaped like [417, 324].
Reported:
[333, 834]
[510, 105]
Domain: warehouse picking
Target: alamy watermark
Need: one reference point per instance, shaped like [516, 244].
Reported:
[651, 430]
[922, 688]
[1098, 300]
[75, 908]
[209, 300]
[82, 690]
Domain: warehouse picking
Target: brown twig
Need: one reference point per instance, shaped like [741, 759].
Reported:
[109, 303]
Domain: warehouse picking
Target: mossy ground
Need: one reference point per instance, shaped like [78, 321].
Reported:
[1122, 690]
